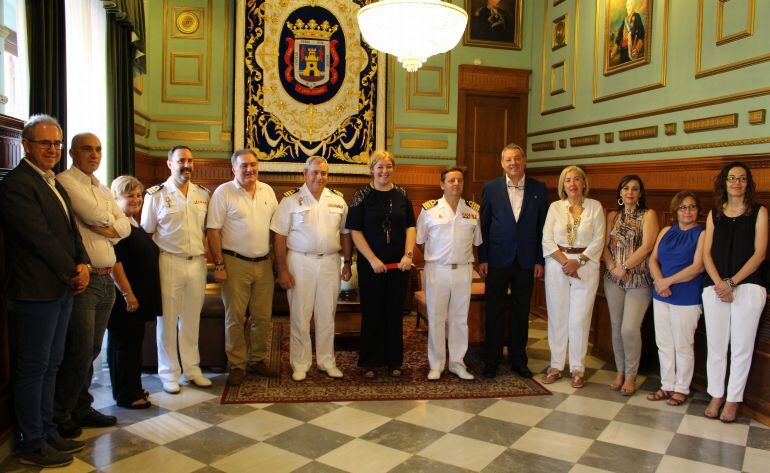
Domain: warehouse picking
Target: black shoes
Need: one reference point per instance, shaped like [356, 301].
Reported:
[61, 444]
[46, 457]
[490, 372]
[69, 429]
[94, 418]
[522, 371]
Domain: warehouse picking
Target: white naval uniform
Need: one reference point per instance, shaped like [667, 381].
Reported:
[313, 229]
[448, 237]
[177, 224]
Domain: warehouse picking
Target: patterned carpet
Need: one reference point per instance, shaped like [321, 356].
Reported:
[354, 387]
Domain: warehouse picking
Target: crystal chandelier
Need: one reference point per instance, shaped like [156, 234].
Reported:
[412, 30]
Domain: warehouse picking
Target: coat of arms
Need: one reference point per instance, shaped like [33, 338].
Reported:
[311, 57]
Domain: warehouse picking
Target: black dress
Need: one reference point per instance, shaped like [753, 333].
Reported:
[733, 245]
[382, 295]
[139, 257]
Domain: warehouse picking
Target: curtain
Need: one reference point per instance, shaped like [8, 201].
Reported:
[125, 55]
[47, 72]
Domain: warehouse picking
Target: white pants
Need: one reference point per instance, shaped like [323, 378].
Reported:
[675, 333]
[734, 324]
[183, 286]
[570, 304]
[315, 292]
[447, 297]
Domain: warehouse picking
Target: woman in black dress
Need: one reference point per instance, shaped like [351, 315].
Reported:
[137, 299]
[734, 291]
[381, 220]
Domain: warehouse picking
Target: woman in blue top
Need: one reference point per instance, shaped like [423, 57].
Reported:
[676, 266]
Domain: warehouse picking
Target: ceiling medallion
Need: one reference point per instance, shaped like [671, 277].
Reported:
[187, 22]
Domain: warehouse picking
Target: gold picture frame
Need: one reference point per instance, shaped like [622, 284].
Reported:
[627, 34]
[494, 23]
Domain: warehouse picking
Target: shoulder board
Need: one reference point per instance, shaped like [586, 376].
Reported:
[473, 205]
[336, 191]
[205, 189]
[291, 192]
[154, 189]
[428, 204]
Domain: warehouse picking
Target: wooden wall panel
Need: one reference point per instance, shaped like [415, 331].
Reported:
[663, 179]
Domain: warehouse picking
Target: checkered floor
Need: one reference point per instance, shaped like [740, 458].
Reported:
[586, 430]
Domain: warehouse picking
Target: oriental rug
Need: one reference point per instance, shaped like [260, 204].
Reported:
[354, 387]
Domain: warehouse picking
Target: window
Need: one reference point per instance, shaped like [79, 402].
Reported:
[14, 81]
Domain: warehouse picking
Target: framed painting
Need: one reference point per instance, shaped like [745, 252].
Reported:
[627, 33]
[494, 23]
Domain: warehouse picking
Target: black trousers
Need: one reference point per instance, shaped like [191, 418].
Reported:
[382, 302]
[520, 281]
[124, 355]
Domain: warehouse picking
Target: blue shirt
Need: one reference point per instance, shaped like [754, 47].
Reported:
[676, 251]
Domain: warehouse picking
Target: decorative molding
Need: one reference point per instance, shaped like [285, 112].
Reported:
[416, 81]
[141, 130]
[559, 32]
[546, 29]
[544, 146]
[139, 84]
[196, 121]
[198, 57]
[609, 137]
[183, 135]
[187, 22]
[226, 136]
[164, 76]
[748, 31]
[669, 129]
[424, 144]
[415, 129]
[493, 79]
[444, 77]
[194, 149]
[659, 111]
[558, 2]
[638, 133]
[711, 123]
[554, 67]
[664, 149]
[416, 157]
[757, 117]
[226, 69]
[584, 140]
[563, 143]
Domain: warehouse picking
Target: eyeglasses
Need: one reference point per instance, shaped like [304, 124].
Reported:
[47, 144]
[732, 178]
[685, 208]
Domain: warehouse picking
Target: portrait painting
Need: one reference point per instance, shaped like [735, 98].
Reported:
[627, 34]
[494, 23]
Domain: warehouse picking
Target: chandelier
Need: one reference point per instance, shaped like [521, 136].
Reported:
[412, 30]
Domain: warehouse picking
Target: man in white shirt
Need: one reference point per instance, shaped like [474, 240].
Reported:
[101, 224]
[449, 228]
[175, 214]
[239, 240]
[310, 231]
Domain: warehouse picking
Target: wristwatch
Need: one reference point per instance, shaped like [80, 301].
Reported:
[410, 254]
[347, 261]
[582, 260]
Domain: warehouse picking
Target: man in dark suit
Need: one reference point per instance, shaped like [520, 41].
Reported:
[48, 265]
[513, 210]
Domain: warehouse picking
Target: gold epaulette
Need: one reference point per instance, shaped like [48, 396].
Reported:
[474, 205]
[205, 189]
[336, 191]
[428, 204]
[291, 192]
[154, 189]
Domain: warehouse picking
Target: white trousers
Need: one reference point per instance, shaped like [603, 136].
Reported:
[570, 304]
[447, 297]
[314, 295]
[734, 324]
[675, 335]
[182, 286]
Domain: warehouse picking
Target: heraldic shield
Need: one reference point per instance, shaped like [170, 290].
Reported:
[311, 57]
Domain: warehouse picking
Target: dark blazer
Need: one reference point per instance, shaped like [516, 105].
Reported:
[506, 239]
[42, 245]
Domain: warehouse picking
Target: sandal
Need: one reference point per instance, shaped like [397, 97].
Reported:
[551, 376]
[659, 395]
[728, 419]
[617, 386]
[677, 401]
[625, 391]
[711, 413]
[369, 374]
[577, 381]
[140, 403]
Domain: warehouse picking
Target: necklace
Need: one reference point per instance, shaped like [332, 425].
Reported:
[572, 227]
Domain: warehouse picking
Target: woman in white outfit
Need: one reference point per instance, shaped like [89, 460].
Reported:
[676, 265]
[734, 293]
[573, 239]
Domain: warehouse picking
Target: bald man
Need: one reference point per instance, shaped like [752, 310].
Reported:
[101, 224]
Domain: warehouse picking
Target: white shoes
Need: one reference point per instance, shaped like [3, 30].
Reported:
[298, 376]
[171, 387]
[434, 375]
[200, 381]
[332, 372]
[462, 373]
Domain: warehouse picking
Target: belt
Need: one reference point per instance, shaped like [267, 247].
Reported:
[188, 258]
[315, 255]
[452, 266]
[246, 258]
[102, 271]
[570, 250]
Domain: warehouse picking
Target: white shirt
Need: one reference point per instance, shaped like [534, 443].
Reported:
[590, 234]
[94, 204]
[515, 195]
[244, 221]
[48, 177]
[310, 225]
[448, 236]
[177, 223]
